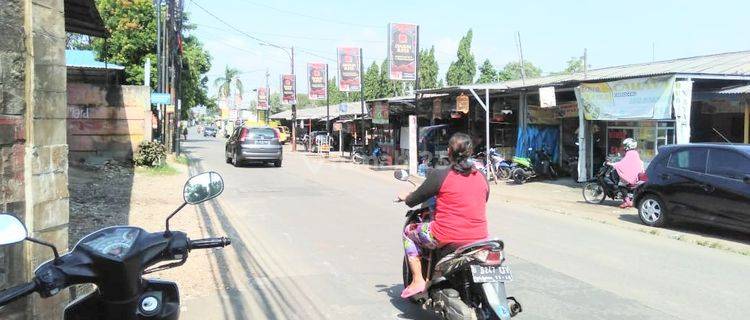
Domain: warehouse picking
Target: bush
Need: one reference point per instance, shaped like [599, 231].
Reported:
[149, 154]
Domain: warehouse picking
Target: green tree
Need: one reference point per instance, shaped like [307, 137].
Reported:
[574, 64]
[388, 88]
[334, 95]
[196, 62]
[132, 27]
[512, 71]
[372, 82]
[274, 103]
[428, 69]
[227, 81]
[487, 72]
[462, 70]
[76, 41]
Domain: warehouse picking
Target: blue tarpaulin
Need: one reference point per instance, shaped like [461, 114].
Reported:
[537, 137]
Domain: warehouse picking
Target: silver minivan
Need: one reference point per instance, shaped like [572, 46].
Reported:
[259, 144]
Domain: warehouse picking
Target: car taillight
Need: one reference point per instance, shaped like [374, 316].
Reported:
[643, 177]
[243, 135]
[489, 257]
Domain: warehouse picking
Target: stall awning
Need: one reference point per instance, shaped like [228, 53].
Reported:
[81, 16]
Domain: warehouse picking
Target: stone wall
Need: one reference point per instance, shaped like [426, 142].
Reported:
[106, 122]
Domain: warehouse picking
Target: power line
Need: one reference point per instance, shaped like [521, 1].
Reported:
[310, 16]
[295, 36]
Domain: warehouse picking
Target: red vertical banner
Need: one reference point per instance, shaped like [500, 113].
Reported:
[402, 51]
[262, 99]
[350, 75]
[288, 89]
[317, 81]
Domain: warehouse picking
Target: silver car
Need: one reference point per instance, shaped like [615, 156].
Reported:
[259, 144]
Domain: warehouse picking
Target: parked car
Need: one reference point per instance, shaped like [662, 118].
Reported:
[254, 144]
[210, 132]
[704, 183]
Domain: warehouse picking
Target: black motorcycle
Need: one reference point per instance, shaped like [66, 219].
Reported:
[466, 282]
[606, 185]
[538, 165]
[115, 259]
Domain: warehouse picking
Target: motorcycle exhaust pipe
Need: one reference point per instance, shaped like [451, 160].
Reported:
[496, 297]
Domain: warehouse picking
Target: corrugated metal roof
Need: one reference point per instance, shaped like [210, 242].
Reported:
[731, 64]
[87, 59]
[352, 108]
[735, 90]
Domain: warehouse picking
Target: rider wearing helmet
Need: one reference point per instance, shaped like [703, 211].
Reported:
[629, 168]
[461, 194]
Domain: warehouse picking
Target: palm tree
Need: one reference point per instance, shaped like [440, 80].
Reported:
[224, 84]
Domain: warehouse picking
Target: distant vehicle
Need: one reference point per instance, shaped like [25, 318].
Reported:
[704, 183]
[284, 134]
[254, 144]
[210, 132]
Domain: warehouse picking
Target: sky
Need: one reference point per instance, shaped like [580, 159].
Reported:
[613, 33]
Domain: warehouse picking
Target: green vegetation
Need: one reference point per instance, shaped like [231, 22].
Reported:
[428, 69]
[150, 154]
[162, 170]
[182, 159]
[462, 71]
[487, 72]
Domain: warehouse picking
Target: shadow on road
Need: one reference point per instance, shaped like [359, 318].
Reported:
[696, 229]
[409, 310]
[269, 293]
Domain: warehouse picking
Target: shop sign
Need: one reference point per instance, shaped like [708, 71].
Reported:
[350, 71]
[547, 97]
[288, 89]
[537, 115]
[568, 110]
[337, 126]
[642, 98]
[262, 99]
[317, 81]
[380, 113]
[462, 103]
[402, 51]
[437, 108]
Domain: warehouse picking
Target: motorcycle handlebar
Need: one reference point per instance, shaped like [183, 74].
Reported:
[14, 293]
[209, 243]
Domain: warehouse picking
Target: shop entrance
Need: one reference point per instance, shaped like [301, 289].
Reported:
[650, 136]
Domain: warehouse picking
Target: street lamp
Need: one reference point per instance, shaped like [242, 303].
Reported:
[290, 53]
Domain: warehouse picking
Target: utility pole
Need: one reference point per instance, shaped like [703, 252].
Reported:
[362, 97]
[268, 99]
[585, 63]
[294, 106]
[520, 54]
[328, 106]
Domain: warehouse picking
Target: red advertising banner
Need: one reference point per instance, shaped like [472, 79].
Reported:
[350, 72]
[262, 99]
[317, 81]
[288, 89]
[402, 51]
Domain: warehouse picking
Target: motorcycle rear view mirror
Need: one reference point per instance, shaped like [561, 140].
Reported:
[401, 174]
[203, 187]
[12, 230]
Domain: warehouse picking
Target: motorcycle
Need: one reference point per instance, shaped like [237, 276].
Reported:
[466, 282]
[606, 185]
[368, 154]
[115, 260]
[539, 165]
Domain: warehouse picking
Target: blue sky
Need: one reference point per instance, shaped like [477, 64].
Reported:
[614, 33]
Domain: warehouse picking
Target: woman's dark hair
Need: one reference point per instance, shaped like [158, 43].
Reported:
[460, 148]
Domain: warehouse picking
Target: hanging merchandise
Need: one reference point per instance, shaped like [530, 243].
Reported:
[462, 103]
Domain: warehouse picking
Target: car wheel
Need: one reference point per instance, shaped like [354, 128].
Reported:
[277, 163]
[652, 211]
[236, 161]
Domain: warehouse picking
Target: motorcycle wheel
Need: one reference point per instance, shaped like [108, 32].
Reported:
[503, 173]
[593, 192]
[519, 175]
[357, 158]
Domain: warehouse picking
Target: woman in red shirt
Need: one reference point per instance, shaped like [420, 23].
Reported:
[461, 194]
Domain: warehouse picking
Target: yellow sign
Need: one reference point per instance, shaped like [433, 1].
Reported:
[462, 103]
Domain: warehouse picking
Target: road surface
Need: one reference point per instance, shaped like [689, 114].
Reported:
[321, 240]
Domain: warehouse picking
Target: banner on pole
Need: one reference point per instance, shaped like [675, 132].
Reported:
[317, 81]
[288, 89]
[380, 113]
[641, 98]
[350, 73]
[262, 99]
[402, 51]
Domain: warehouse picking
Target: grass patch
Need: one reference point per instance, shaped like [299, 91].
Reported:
[162, 170]
[182, 159]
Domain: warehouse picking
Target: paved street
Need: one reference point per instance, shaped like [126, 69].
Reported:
[319, 239]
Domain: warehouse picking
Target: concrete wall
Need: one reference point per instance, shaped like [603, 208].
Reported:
[33, 145]
[106, 122]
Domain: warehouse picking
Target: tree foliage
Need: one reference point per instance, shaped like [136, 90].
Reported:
[372, 81]
[388, 87]
[132, 27]
[487, 72]
[512, 71]
[574, 64]
[334, 95]
[196, 62]
[462, 70]
[229, 80]
[428, 69]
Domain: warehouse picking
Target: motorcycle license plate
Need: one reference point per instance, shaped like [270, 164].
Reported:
[482, 274]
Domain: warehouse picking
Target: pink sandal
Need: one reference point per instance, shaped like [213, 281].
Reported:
[409, 293]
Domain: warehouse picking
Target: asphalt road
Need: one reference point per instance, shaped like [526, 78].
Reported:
[321, 240]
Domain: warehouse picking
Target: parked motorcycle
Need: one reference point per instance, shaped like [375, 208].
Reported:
[369, 154]
[606, 185]
[538, 165]
[115, 259]
[466, 282]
